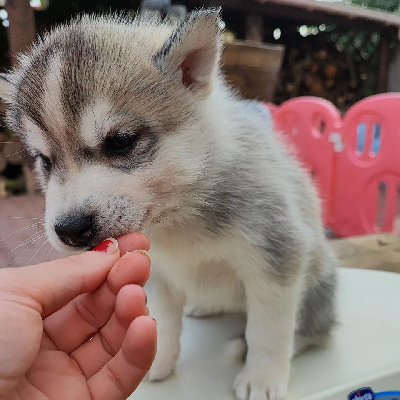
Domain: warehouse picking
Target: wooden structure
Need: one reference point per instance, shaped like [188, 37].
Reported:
[253, 68]
[379, 252]
[311, 11]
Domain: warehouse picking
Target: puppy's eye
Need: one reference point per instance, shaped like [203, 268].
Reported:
[120, 144]
[46, 163]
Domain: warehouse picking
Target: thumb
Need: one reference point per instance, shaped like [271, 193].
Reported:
[49, 286]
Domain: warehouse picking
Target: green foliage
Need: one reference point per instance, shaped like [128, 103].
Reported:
[385, 5]
[362, 46]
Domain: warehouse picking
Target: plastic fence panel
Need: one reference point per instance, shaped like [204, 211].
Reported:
[367, 174]
[311, 127]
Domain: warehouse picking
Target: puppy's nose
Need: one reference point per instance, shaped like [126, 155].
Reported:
[75, 230]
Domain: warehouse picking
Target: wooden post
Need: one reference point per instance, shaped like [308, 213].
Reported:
[21, 31]
[384, 61]
[254, 28]
[21, 34]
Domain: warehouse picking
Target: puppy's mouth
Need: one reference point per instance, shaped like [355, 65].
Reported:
[74, 238]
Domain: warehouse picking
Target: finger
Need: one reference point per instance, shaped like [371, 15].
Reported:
[71, 326]
[123, 373]
[133, 241]
[49, 286]
[135, 268]
[92, 355]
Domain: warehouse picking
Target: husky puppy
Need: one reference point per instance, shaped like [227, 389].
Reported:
[133, 128]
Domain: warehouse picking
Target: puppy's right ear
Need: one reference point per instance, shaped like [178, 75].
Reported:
[5, 87]
[191, 54]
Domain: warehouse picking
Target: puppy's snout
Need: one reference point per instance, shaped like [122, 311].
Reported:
[75, 230]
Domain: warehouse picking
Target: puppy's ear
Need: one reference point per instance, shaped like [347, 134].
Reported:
[191, 54]
[5, 87]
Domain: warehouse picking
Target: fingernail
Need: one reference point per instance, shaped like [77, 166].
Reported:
[153, 319]
[144, 252]
[109, 246]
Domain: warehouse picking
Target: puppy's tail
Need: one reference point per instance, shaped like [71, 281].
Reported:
[236, 349]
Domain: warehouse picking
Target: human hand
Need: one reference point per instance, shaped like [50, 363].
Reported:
[48, 313]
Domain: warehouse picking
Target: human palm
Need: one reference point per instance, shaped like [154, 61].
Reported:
[76, 329]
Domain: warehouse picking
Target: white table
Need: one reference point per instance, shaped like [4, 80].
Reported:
[364, 351]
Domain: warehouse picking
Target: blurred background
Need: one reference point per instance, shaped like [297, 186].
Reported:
[275, 50]
[342, 51]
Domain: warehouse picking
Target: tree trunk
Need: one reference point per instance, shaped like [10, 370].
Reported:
[21, 34]
[384, 62]
[254, 28]
[21, 31]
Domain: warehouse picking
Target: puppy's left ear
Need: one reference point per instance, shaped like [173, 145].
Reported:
[5, 87]
[191, 54]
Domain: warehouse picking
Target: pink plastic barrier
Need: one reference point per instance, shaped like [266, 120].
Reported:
[355, 161]
[273, 108]
[307, 123]
[367, 195]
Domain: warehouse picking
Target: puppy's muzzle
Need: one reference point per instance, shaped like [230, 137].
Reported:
[76, 230]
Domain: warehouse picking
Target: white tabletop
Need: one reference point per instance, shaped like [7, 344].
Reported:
[364, 351]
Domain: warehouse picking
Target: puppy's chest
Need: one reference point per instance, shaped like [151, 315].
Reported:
[202, 266]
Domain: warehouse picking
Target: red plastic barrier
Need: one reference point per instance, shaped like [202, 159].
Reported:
[367, 190]
[355, 161]
[273, 108]
[310, 124]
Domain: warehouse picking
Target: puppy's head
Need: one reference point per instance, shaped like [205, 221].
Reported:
[114, 110]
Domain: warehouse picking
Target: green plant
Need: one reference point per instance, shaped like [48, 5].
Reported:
[385, 5]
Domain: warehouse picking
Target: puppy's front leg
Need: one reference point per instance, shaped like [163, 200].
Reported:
[166, 306]
[271, 319]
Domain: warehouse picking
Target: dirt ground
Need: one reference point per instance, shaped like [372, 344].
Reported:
[22, 240]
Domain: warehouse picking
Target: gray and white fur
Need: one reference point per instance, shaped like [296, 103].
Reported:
[134, 128]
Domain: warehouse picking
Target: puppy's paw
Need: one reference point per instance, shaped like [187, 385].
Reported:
[159, 372]
[163, 365]
[195, 311]
[261, 381]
